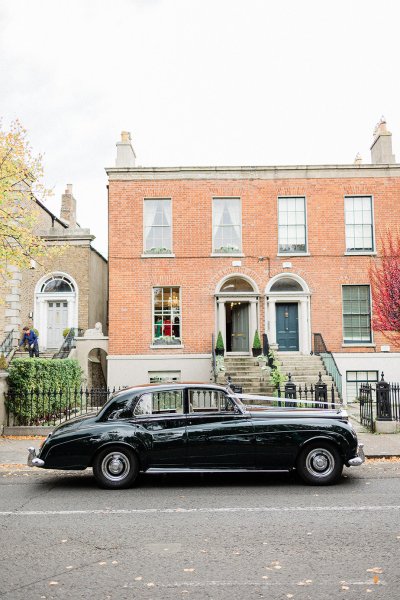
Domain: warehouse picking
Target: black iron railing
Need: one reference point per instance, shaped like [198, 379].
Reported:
[68, 343]
[329, 361]
[315, 396]
[395, 401]
[53, 406]
[366, 406]
[7, 344]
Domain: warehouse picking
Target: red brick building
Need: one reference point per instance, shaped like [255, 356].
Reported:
[282, 249]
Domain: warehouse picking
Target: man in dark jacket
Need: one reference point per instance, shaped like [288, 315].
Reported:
[32, 339]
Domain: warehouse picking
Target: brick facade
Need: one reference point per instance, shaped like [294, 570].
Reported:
[325, 269]
[322, 270]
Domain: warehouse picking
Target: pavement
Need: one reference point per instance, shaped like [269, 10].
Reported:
[13, 450]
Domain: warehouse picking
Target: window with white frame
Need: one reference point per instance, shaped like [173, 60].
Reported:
[157, 226]
[227, 225]
[166, 316]
[356, 314]
[292, 225]
[354, 379]
[359, 225]
[164, 376]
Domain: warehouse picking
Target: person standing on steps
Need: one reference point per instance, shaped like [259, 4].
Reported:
[31, 338]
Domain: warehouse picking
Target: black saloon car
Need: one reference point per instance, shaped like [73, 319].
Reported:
[200, 427]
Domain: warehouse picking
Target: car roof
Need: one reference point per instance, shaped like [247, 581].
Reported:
[169, 386]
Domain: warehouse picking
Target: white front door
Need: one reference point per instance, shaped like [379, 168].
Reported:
[57, 321]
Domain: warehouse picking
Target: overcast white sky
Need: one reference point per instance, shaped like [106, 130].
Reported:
[197, 82]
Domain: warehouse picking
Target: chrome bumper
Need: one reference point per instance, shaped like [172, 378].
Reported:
[359, 459]
[33, 460]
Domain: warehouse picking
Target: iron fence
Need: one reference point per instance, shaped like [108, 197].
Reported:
[52, 407]
[367, 409]
[395, 401]
[314, 396]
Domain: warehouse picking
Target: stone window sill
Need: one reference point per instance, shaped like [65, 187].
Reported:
[164, 346]
[363, 253]
[227, 254]
[359, 345]
[148, 255]
[290, 254]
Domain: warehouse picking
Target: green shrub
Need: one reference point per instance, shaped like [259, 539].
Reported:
[220, 342]
[256, 341]
[41, 388]
[3, 363]
[66, 331]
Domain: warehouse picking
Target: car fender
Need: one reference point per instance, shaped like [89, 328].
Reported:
[133, 447]
[333, 437]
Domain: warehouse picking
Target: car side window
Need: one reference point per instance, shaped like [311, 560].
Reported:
[121, 409]
[157, 403]
[203, 400]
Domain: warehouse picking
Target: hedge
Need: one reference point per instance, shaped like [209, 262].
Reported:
[51, 379]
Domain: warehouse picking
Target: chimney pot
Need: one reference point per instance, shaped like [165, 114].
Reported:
[68, 207]
[381, 149]
[125, 153]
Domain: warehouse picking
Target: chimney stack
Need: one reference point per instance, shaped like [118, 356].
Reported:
[381, 149]
[125, 153]
[68, 207]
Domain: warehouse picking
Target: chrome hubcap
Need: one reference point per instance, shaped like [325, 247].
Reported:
[115, 466]
[320, 462]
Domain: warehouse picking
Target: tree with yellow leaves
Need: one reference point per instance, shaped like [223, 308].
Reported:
[20, 185]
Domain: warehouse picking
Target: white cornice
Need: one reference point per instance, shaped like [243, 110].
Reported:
[254, 172]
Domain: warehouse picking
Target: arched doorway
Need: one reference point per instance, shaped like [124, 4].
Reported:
[287, 315]
[97, 368]
[56, 308]
[237, 313]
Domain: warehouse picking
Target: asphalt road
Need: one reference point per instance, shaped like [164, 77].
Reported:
[200, 537]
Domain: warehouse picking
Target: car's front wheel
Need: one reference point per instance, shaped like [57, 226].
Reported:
[319, 464]
[115, 468]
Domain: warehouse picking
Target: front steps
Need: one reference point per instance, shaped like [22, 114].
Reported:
[246, 372]
[304, 369]
[25, 354]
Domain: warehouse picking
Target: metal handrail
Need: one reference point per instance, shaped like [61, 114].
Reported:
[7, 344]
[68, 343]
[328, 360]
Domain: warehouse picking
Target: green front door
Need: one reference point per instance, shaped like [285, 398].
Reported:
[287, 327]
[240, 327]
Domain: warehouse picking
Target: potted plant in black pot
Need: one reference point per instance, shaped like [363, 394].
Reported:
[219, 346]
[257, 349]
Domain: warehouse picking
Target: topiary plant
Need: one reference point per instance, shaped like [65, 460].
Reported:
[256, 344]
[256, 341]
[219, 346]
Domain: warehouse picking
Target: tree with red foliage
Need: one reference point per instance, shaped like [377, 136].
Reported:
[385, 281]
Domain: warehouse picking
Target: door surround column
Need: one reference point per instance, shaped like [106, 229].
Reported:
[301, 297]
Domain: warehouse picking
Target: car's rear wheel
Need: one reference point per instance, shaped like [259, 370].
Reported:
[319, 464]
[115, 468]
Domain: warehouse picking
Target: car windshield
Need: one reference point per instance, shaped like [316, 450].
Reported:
[237, 401]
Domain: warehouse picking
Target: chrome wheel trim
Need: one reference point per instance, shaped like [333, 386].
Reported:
[320, 462]
[115, 466]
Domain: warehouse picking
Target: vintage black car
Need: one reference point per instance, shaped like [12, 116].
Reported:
[200, 427]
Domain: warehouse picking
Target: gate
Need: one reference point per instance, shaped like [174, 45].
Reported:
[366, 407]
